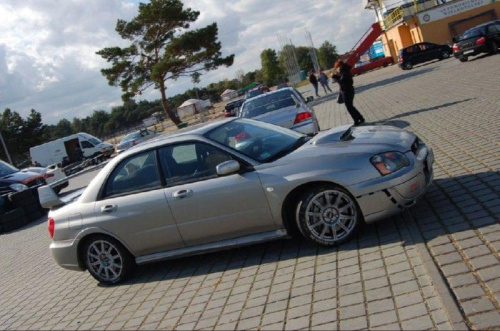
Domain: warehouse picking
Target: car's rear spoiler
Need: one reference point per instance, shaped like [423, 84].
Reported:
[48, 198]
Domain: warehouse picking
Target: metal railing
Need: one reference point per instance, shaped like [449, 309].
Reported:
[408, 9]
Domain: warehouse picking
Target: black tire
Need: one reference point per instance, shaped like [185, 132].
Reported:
[463, 58]
[444, 55]
[493, 48]
[12, 220]
[34, 216]
[407, 66]
[104, 256]
[328, 223]
[21, 197]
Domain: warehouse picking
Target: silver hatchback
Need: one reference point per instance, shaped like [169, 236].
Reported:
[285, 107]
[233, 183]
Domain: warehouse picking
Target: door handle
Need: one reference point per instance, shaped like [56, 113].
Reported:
[182, 194]
[108, 209]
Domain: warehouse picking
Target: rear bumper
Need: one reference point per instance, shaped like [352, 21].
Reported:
[307, 127]
[66, 254]
[471, 51]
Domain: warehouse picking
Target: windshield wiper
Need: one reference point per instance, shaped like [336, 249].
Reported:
[299, 142]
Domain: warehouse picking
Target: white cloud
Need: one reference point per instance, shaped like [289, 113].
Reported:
[47, 47]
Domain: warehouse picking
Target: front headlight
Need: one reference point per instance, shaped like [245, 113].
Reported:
[389, 162]
[18, 187]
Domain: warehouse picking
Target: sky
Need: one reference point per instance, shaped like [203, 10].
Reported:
[47, 47]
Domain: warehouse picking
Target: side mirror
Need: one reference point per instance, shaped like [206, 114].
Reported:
[48, 198]
[228, 168]
[309, 99]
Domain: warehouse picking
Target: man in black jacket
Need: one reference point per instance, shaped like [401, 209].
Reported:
[344, 78]
[314, 82]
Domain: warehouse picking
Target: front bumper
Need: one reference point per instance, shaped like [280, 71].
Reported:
[66, 254]
[399, 193]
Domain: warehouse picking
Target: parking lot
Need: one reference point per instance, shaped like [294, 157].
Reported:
[436, 266]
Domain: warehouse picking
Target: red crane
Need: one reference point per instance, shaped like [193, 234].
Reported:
[364, 44]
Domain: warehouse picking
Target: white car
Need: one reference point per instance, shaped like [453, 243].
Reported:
[53, 174]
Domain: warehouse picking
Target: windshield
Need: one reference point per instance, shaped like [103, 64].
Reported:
[260, 141]
[267, 103]
[253, 93]
[94, 141]
[474, 33]
[7, 169]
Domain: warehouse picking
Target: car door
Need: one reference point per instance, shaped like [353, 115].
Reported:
[133, 207]
[208, 207]
[431, 51]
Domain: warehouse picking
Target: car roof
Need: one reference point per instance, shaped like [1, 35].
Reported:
[481, 25]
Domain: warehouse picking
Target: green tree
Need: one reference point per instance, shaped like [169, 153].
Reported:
[161, 49]
[271, 70]
[327, 55]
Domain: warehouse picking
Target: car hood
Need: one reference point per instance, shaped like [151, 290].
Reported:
[20, 177]
[355, 140]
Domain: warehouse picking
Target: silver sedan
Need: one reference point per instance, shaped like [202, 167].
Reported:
[284, 107]
[233, 183]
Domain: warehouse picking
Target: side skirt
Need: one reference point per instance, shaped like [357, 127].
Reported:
[212, 247]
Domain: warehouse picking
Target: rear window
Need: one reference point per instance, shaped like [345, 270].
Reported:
[473, 33]
[268, 103]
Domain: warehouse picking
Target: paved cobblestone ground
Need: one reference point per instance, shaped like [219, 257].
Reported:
[380, 280]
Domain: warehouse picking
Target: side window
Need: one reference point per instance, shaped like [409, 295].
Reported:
[497, 25]
[190, 162]
[86, 144]
[136, 173]
[492, 29]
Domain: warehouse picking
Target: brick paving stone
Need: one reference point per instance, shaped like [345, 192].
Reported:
[354, 324]
[380, 306]
[484, 261]
[420, 323]
[468, 292]
[410, 312]
[382, 318]
[489, 320]
[477, 306]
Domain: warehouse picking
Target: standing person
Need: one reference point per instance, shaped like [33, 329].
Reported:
[344, 78]
[323, 80]
[314, 82]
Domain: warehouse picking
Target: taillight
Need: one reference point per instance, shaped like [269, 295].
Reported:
[51, 227]
[456, 48]
[301, 117]
[481, 41]
[48, 176]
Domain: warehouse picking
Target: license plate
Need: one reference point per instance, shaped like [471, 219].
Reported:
[469, 52]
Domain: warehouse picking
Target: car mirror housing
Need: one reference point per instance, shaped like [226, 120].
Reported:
[228, 168]
[48, 198]
[309, 99]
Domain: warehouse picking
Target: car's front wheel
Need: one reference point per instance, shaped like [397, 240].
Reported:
[328, 215]
[407, 65]
[444, 55]
[107, 260]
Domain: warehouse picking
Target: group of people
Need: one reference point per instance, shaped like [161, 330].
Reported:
[343, 77]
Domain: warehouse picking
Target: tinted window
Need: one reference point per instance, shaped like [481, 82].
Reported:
[189, 162]
[473, 33]
[136, 173]
[492, 29]
[268, 103]
[86, 144]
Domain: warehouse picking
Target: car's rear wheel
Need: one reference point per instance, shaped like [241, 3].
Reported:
[444, 55]
[463, 58]
[328, 215]
[107, 260]
[407, 65]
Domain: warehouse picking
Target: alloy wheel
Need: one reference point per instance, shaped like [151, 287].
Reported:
[331, 216]
[105, 260]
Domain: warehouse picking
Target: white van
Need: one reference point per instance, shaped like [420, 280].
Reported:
[72, 147]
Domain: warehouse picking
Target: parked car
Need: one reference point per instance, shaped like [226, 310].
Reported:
[422, 52]
[284, 107]
[484, 38]
[53, 174]
[169, 197]
[376, 63]
[134, 138]
[15, 180]
[232, 108]
[256, 91]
